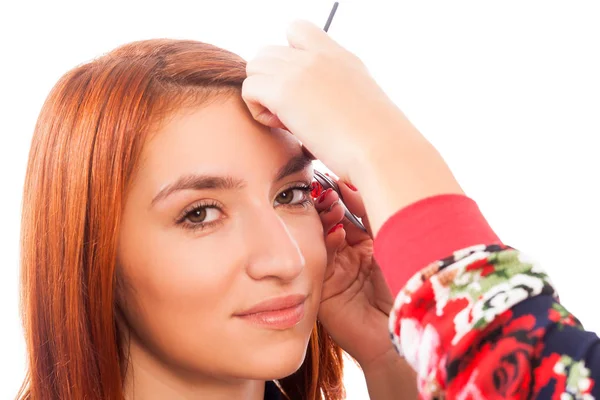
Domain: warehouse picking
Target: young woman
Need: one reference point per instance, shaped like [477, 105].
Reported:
[475, 318]
[171, 248]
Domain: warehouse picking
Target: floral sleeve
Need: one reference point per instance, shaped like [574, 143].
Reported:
[486, 323]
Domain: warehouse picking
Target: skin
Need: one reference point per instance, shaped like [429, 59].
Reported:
[184, 286]
[356, 300]
[326, 97]
[185, 341]
[355, 129]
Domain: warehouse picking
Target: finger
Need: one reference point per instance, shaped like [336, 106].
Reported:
[284, 53]
[268, 65]
[273, 59]
[335, 235]
[331, 211]
[308, 36]
[326, 199]
[332, 216]
[329, 208]
[259, 92]
[352, 199]
[334, 240]
[367, 224]
[354, 234]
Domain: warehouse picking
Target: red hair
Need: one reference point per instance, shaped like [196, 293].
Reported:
[84, 151]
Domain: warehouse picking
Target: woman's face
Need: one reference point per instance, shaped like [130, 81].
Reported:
[218, 220]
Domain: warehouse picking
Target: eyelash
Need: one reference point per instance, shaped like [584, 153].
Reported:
[182, 220]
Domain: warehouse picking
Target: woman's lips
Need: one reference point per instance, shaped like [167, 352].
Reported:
[279, 313]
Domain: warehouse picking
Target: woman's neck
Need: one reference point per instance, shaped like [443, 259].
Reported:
[148, 378]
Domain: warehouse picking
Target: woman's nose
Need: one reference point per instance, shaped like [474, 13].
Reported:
[273, 250]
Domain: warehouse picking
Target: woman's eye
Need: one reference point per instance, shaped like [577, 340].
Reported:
[203, 215]
[292, 196]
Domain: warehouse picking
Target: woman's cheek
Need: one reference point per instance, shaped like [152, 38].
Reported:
[308, 233]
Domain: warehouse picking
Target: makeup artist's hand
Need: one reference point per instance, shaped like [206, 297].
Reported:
[356, 301]
[316, 89]
[325, 96]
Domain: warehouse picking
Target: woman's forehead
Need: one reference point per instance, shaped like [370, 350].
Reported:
[223, 123]
[221, 137]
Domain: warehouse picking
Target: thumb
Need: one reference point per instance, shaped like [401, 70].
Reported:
[352, 199]
[354, 202]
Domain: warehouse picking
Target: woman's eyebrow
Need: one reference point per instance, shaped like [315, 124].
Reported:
[199, 182]
[296, 164]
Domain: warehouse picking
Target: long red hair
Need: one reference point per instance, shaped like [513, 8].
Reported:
[84, 151]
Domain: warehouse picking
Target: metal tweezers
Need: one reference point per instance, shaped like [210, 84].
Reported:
[328, 183]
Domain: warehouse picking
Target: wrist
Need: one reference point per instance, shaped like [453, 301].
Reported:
[390, 376]
[381, 363]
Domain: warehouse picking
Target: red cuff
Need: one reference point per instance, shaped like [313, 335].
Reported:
[426, 231]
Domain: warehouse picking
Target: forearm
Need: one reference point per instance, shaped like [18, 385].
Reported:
[397, 169]
[391, 378]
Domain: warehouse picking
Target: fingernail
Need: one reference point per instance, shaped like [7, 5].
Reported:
[316, 189]
[323, 195]
[335, 228]
[351, 186]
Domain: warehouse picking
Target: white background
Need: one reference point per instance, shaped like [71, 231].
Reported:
[509, 92]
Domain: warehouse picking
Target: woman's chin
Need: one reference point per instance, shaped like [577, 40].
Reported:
[275, 360]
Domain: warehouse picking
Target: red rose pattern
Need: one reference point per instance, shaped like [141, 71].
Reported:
[527, 351]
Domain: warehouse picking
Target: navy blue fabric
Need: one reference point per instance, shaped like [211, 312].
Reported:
[272, 392]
